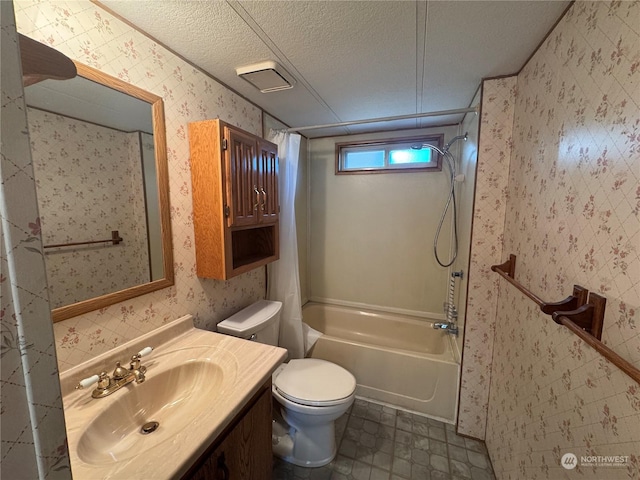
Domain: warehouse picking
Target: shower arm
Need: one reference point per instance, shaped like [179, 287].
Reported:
[455, 139]
[446, 148]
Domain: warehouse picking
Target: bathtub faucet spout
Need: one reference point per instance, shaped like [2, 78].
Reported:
[449, 327]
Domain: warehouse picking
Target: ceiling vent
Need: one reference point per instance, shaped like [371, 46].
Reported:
[267, 76]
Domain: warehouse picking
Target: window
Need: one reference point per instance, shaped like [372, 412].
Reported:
[387, 156]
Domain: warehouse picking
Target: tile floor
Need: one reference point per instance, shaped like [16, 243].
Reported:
[382, 443]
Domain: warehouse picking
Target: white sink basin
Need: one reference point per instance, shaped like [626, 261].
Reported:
[173, 398]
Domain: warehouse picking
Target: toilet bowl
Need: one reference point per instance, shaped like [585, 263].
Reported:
[312, 393]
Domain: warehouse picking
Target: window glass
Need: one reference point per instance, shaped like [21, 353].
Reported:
[394, 155]
[397, 157]
[358, 160]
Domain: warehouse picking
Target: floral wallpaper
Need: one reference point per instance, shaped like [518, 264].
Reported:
[86, 33]
[572, 217]
[492, 177]
[89, 181]
[568, 134]
[31, 418]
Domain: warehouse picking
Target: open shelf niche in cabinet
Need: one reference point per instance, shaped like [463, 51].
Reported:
[235, 199]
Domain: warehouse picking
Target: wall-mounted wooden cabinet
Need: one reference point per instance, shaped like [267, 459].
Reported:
[235, 199]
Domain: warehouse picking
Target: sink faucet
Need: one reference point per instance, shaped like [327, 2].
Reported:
[449, 327]
[120, 377]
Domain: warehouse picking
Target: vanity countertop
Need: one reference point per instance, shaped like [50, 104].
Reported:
[103, 434]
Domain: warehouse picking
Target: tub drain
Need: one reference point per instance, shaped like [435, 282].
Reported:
[149, 427]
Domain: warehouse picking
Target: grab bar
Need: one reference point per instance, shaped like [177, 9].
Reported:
[600, 347]
[507, 271]
[582, 313]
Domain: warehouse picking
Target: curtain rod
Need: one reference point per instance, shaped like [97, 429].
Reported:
[385, 119]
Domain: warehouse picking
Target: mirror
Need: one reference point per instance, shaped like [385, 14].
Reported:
[100, 164]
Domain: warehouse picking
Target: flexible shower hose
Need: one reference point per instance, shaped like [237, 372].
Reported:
[452, 198]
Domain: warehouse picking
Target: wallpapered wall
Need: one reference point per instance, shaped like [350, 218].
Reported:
[86, 33]
[33, 435]
[571, 217]
[492, 176]
[89, 181]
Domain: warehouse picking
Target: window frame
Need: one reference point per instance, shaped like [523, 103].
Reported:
[387, 144]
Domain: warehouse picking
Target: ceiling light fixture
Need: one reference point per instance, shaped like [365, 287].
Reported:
[266, 76]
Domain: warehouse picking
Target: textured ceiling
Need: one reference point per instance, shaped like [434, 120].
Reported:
[352, 60]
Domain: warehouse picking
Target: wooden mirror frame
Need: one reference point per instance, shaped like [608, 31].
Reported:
[160, 142]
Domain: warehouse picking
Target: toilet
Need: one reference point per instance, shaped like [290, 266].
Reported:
[312, 393]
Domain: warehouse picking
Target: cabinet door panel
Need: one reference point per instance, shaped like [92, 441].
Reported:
[268, 175]
[245, 453]
[248, 447]
[241, 179]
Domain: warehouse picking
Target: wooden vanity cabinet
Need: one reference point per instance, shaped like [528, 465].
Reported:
[244, 451]
[235, 199]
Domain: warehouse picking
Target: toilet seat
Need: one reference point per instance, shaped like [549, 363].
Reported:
[315, 382]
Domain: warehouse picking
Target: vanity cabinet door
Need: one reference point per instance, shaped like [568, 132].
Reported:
[245, 453]
[247, 450]
[242, 182]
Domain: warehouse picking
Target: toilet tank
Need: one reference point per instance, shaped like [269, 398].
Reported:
[259, 321]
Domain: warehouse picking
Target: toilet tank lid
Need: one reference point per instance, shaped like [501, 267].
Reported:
[250, 319]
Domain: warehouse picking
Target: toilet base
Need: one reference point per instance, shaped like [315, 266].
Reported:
[300, 463]
[311, 446]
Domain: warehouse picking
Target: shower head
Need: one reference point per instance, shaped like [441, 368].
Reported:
[420, 146]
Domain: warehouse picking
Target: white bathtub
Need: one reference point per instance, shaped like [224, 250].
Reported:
[396, 359]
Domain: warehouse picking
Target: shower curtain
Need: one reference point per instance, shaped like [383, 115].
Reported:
[284, 278]
[32, 416]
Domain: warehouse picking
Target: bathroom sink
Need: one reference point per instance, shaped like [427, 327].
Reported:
[174, 398]
[196, 382]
